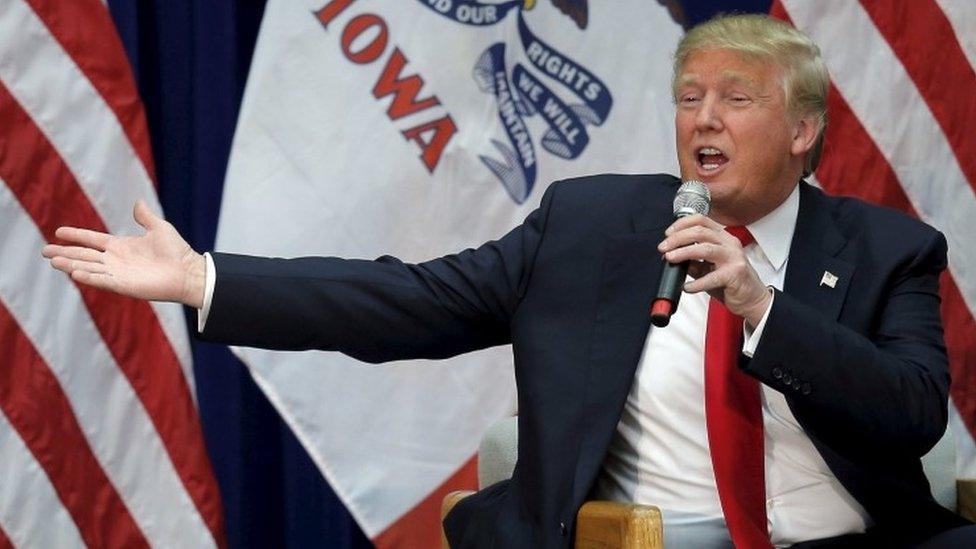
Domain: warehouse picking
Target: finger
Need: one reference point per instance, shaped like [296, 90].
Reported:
[690, 221]
[72, 252]
[708, 282]
[85, 237]
[71, 265]
[702, 251]
[98, 280]
[692, 235]
[145, 217]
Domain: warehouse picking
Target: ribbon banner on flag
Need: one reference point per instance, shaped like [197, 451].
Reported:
[517, 171]
[520, 94]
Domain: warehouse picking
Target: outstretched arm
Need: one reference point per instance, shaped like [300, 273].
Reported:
[380, 310]
[158, 265]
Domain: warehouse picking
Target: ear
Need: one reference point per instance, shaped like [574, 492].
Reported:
[805, 133]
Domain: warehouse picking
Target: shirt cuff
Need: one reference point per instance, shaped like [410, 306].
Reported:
[208, 290]
[752, 337]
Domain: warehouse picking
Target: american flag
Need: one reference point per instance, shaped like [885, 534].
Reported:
[100, 443]
[902, 106]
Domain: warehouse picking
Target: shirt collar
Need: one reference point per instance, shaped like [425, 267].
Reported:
[774, 231]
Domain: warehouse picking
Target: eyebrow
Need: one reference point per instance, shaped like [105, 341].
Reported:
[739, 78]
[733, 77]
[685, 80]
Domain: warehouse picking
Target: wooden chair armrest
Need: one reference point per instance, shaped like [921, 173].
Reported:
[448, 503]
[966, 497]
[602, 524]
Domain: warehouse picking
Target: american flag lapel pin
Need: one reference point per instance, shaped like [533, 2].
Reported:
[829, 279]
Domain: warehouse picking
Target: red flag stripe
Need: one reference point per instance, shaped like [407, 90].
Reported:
[48, 191]
[50, 311]
[85, 30]
[4, 540]
[32, 400]
[960, 336]
[850, 150]
[892, 111]
[962, 17]
[40, 520]
[421, 525]
[919, 33]
[71, 113]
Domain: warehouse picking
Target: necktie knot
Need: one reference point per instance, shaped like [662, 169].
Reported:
[742, 233]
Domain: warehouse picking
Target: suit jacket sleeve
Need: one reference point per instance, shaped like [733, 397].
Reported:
[378, 310]
[883, 389]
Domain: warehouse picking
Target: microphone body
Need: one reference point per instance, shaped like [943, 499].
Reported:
[692, 198]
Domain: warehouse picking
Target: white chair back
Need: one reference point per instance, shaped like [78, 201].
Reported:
[940, 468]
[498, 452]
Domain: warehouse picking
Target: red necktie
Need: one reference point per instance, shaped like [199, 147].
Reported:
[733, 414]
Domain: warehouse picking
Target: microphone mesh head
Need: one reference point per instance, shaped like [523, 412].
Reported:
[692, 198]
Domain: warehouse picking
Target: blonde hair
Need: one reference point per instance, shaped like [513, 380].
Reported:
[762, 38]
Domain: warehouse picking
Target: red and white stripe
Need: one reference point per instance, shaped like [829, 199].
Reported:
[901, 111]
[36, 521]
[98, 422]
[962, 17]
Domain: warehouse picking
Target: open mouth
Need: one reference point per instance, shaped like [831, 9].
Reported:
[711, 160]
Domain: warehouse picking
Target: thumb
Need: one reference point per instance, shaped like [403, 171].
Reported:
[145, 217]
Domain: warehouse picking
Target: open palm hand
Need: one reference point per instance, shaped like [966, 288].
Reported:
[158, 265]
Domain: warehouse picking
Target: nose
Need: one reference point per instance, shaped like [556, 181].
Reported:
[708, 117]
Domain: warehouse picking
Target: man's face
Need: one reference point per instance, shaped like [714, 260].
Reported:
[735, 134]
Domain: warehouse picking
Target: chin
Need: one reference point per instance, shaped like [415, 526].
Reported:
[722, 195]
[716, 187]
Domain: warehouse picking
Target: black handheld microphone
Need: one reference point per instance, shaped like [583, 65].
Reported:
[692, 198]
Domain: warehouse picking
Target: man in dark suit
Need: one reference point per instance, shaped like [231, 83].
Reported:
[842, 345]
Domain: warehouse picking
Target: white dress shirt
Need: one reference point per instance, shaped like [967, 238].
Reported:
[659, 454]
[210, 275]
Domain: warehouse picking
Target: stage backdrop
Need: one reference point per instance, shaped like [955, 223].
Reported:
[412, 127]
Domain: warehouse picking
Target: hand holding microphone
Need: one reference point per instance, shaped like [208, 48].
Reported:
[699, 246]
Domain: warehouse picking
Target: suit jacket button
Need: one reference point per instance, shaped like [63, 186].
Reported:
[777, 373]
[787, 378]
[562, 529]
[805, 389]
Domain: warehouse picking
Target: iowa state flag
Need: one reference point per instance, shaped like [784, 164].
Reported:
[418, 128]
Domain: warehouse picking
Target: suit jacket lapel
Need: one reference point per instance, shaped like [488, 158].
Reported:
[815, 275]
[631, 271]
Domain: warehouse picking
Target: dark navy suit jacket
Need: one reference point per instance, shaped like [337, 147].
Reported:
[862, 364]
